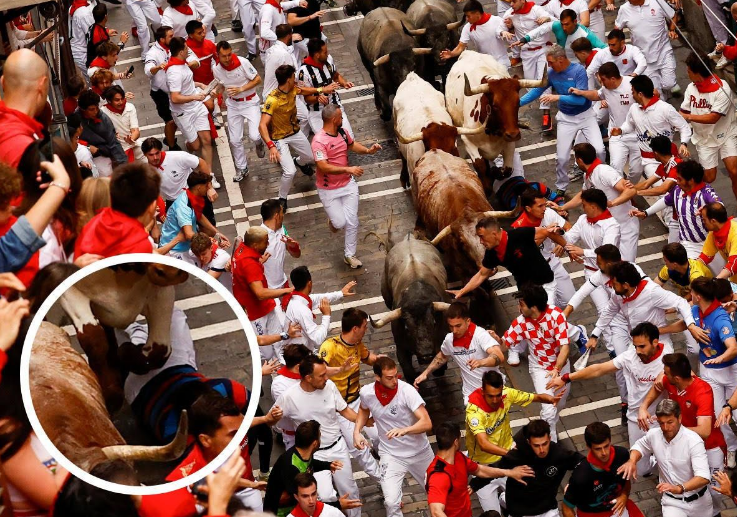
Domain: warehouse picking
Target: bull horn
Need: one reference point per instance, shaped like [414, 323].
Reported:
[535, 83]
[471, 131]
[391, 316]
[505, 214]
[453, 26]
[382, 60]
[413, 32]
[171, 451]
[468, 90]
[440, 306]
[422, 51]
[408, 140]
[441, 235]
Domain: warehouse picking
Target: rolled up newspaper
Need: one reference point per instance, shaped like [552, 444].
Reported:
[582, 361]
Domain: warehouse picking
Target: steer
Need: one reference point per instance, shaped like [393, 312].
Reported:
[421, 123]
[437, 28]
[413, 286]
[114, 297]
[388, 54]
[479, 92]
[70, 407]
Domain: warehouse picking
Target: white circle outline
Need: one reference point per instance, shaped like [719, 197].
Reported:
[255, 388]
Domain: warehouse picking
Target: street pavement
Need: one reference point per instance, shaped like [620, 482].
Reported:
[381, 193]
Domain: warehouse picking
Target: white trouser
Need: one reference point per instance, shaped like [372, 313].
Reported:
[723, 382]
[623, 149]
[303, 116]
[104, 165]
[568, 127]
[564, 288]
[315, 120]
[617, 344]
[540, 378]
[678, 508]
[238, 114]
[364, 457]
[550, 288]
[647, 462]
[140, 10]
[721, 35]
[298, 143]
[596, 24]
[534, 64]
[663, 74]
[393, 471]
[251, 498]
[342, 478]
[489, 495]
[250, 12]
[629, 234]
[693, 249]
[341, 205]
[269, 325]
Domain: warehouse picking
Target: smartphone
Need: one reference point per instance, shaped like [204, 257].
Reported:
[46, 150]
[129, 72]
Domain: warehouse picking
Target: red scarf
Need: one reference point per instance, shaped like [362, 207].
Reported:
[622, 52]
[655, 99]
[309, 61]
[275, 4]
[112, 233]
[484, 18]
[590, 58]
[636, 292]
[298, 511]
[184, 9]
[112, 108]
[711, 308]
[234, 63]
[76, 4]
[465, 340]
[501, 248]
[594, 461]
[174, 61]
[196, 202]
[99, 62]
[161, 162]
[720, 236]
[97, 90]
[602, 216]
[525, 8]
[566, 2]
[477, 398]
[658, 353]
[302, 295]
[384, 395]
[709, 85]
[590, 169]
[289, 374]
[694, 190]
[525, 220]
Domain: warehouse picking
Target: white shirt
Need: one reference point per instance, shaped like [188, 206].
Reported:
[208, 15]
[620, 102]
[83, 154]
[486, 38]
[605, 231]
[218, 262]
[524, 23]
[178, 21]
[279, 385]
[239, 76]
[679, 460]
[657, 119]
[479, 348]
[555, 7]
[648, 28]
[696, 103]
[630, 61]
[598, 279]
[640, 377]
[270, 18]
[327, 511]
[157, 56]
[278, 54]
[123, 123]
[175, 168]
[320, 405]
[179, 78]
[605, 178]
[298, 312]
[396, 414]
[274, 267]
[79, 25]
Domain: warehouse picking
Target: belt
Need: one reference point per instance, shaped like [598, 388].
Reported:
[591, 268]
[331, 445]
[548, 44]
[691, 497]
[245, 98]
[288, 433]
[647, 154]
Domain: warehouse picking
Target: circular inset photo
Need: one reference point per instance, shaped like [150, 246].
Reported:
[119, 373]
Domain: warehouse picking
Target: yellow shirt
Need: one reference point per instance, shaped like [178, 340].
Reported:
[336, 351]
[728, 252]
[494, 423]
[696, 269]
[283, 110]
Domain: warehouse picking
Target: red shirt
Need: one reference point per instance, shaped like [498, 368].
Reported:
[695, 401]
[17, 132]
[246, 269]
[451, 489]
[205, 52]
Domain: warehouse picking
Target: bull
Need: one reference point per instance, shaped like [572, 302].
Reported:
[388, 54]
[70, 406]
[480, 93]
[421, 123]
[413, 286]
[436, 28]
[113, 298]
[353, 7]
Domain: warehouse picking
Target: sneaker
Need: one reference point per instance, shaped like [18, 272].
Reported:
[236, 26]
[307, 170]
[264, 476]
[260, 149]
[722, 63]
[215, 182]
[134, 32]
[353, 262]
[714, 55]
[560, 192]
[283, 202]
[513, 358]
[546, 125]
[731, 459]
[333, 229]
[623, 409]
[676, 90]
[576, 174]
[251, 57]
[583, 338]
[240, 174]
[175, 147]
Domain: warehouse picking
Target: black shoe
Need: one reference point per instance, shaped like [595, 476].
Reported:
[236, 26]
[251, 57]
[283, 203]
[624, 409]
[307, 170]
[114, 2]
[175, 147]
[214, 31]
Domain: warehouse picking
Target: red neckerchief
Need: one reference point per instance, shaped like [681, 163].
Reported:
[525, 8]
[83, 142]
[213, 250]
[184, 9]
[694, 190]
[566, 2]
[477, 398]
[234, 63]
[590, 58]
[275, 4]
[99, 62]
[709, 85]
[525, 220]
[711, 308]
[655, 99]
[384, 395]
[301, 295]
[289, 374]
[636, 292]
[309, 61]
[501, 248]
[465, 340]
[720, 236]
[196, 202]
[658, 352]
[99, 34]
[97, 90]
[602, 216]
[590, 169]
[76, 4]
[623, 49]
[93, 119]
[484, 18]
[174, 61]
[671, 165]
[298, 511]
[112, 108]
[164, 46]
[594, 461]
[31, 122]
[161, 162]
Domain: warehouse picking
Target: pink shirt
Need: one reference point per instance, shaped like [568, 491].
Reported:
[334, 150]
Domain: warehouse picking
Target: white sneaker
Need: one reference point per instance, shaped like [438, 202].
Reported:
[513, 358]
[723, 62]
[575, 174]
[240, 174]
[215, 183]
[731, 459]
[353, 262]
[714, 55]
[676, 90]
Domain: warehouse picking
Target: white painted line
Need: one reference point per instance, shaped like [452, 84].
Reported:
[232, 189]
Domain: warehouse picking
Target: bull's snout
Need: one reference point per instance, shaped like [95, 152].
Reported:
[512, 136]
[349, 9]
[425, 358]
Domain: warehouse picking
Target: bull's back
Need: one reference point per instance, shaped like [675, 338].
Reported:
[410, 260]
[381, 33]
[475, 66]
[430, 13]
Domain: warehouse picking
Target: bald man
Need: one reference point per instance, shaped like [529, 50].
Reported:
[26, 85]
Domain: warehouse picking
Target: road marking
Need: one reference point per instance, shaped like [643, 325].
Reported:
[232, 189]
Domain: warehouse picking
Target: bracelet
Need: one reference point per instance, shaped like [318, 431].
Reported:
[727, 404]
[319, 90]
[55, 184]
[683, 488]
[270, 144]
[566, 377]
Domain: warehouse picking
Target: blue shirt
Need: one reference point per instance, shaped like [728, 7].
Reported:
[717, 323]
[572, 77]
[18, 246]
[180, 214]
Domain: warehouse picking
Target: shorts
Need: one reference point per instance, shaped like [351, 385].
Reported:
[161, 100]
[709, 156]
[191, 122]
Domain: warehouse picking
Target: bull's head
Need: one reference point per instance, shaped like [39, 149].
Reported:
[437, 37]
[499, 103]
[392, 69]
[439, 136]
[162, 276]
[169, 452]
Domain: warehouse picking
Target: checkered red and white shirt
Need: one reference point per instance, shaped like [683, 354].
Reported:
[546, 334]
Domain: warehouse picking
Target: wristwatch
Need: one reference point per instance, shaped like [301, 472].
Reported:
[319, 90]
[284, 336]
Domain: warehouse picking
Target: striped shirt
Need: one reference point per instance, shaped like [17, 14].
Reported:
[686, 207]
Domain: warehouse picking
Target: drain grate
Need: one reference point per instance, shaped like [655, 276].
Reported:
[363, 91]
[500, 283]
